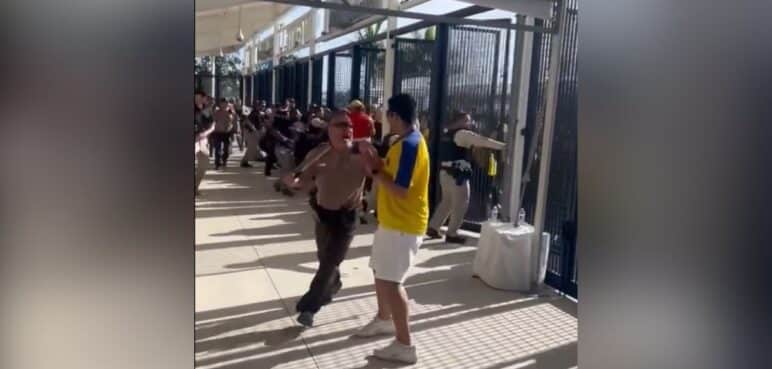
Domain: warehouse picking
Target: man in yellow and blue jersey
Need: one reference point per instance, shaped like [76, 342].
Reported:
[403, 214]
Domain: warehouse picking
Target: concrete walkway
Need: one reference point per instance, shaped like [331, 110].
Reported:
[255, 257]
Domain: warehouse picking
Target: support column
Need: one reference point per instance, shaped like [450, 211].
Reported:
[214, 72]
[438, 112]
[216, 77]
[275, 62]
[388, 78]
[311, 52]
[356, 73]
[331, 80]
[553, 84]
[518, 112]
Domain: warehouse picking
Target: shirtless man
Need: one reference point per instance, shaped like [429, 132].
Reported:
[335, 174]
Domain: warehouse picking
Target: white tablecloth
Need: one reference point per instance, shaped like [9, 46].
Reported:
[505, 256]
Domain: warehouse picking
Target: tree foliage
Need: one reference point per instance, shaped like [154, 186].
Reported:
[227, 65]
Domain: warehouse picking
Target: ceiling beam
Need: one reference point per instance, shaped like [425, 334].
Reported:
[397, 13]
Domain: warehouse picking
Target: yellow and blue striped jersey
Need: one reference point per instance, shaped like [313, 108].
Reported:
[407, 161]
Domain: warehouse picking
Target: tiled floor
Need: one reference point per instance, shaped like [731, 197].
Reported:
[255, 256]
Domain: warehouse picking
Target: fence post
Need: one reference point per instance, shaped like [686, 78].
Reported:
[556, 56]
[356, 72]
[331, 80]
[388, 75]
[216, 80]
[437, 103]
[518, 111]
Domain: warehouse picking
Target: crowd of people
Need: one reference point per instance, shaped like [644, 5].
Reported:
[338, 158]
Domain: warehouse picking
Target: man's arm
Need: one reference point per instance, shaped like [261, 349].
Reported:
[466, 138]
[397, 186]
[303, 181]
[207, 132]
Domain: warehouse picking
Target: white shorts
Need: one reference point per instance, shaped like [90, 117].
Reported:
[393, 253]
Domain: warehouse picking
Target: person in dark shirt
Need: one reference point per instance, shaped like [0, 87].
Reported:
[223, 131]
[455, 172]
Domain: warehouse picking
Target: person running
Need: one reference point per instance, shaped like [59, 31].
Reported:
[403, 213]
[269, 141]
[223, 128]
[285, 138]
[208, 111]
[251, 133]
[202, 129]
[455, 172]
[337, 175]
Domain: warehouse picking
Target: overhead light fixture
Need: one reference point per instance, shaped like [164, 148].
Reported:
[221, 53]
[240, 35]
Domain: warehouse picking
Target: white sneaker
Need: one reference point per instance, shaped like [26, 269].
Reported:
[376, 327]
[397, 351]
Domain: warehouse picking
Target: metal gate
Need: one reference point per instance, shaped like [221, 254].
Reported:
[561, 213]
[316, 84]
[228, 87]
[474, 85]
[341, 93]
[413, 73]
[265, 85]
[301, 84]
[248, 90]
[372, 64]
[203, 82]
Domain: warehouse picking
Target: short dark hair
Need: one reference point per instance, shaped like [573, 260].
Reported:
[404, 106]
[222, 100]
[200, 92]
[457, 116]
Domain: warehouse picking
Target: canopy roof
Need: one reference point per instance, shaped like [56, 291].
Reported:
[217, 23]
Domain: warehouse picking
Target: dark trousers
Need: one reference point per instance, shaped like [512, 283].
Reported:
[222, 145]
[270, 161]
[334, 233]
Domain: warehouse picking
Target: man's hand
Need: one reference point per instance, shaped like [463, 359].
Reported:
[370, 156]
[292, 182]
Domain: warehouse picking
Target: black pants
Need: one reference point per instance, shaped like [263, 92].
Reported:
[334, 233]
[270, 161]
[222, 145]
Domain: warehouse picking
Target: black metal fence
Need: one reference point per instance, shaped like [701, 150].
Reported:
[474, 86]
[228, 87]
[248, 90]
[561, 213]
[203, 82]
[264, 85]
[413, 72]
[316, 84]
[372, 70]
[341, 77]
[301, 84]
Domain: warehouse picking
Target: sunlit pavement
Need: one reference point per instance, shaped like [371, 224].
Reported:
[255, 257]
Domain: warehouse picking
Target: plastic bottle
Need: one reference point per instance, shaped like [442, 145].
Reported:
[494, 214]
[521, 217]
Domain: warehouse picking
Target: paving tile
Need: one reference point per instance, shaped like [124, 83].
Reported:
[255, 256]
